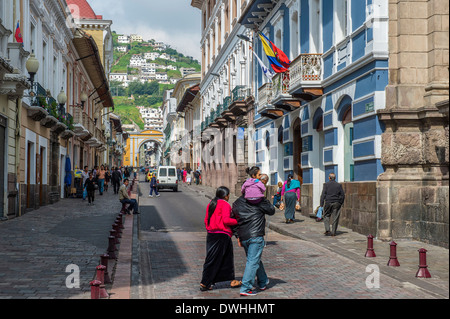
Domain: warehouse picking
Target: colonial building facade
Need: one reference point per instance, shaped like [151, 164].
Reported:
[362, 86]
[226, 96]
[50, 107]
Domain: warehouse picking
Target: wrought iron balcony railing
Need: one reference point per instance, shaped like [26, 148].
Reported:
[239, 93]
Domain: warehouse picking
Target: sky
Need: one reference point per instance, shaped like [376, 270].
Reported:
[173, 22]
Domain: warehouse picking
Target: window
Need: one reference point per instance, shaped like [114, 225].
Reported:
[280, 134]
[341, 14]
[172, 172]
[294, 35]
[315, 27]
[163, 172]
[267, 140]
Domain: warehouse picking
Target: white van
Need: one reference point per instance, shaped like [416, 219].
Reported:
[167, 178]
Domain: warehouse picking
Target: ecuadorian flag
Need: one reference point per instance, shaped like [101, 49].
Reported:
[278, 60]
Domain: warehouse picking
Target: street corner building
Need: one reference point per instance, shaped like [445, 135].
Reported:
[55, 104]
[358, 88]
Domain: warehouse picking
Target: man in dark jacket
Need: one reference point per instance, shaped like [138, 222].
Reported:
[250, 231]
[116, 178]
[331, 200]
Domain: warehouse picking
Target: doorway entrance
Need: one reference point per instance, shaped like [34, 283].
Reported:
[298, 171]
[2, 164]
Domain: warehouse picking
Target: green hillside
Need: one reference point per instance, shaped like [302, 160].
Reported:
[149, 94]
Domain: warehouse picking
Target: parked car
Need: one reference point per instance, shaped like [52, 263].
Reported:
[167, 178]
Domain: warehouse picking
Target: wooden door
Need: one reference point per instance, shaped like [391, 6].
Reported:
[2, 163]
[28, 180]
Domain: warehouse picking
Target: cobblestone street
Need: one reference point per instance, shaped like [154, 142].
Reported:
[297, 268]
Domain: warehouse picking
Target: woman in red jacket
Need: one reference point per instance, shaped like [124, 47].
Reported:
[219, 262]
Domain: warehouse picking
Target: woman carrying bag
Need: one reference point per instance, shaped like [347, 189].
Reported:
[290, 193]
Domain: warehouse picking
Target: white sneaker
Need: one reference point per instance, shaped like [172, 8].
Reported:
[158, 195]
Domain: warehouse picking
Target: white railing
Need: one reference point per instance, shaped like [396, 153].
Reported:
[306, 68]
[265, 95]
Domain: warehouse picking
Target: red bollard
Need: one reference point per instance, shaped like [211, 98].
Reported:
[117, 229]
[101, 277]
[423, 267]
[95, 289]
[119, 223]
[112, 247]
[104, 261]
[113, 233]
[393, 257]
[370, 252]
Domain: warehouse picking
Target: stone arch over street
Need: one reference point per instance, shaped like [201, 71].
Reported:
[136, 141]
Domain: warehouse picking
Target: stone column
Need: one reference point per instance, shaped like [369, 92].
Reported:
[413, 191]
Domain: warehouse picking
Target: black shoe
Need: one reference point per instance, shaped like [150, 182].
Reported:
[327, 233]
[136, 213]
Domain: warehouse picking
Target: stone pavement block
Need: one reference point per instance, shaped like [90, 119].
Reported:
[36, 248]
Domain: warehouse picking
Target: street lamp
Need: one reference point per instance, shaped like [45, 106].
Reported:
[32, 66]
[244, 37]
[83, 98]
[62, 99]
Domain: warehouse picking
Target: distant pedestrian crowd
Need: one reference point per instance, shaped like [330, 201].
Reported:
[189, 176]
[100, 177]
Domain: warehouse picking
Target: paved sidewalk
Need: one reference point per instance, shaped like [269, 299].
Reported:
[36, 248]
[353, 246]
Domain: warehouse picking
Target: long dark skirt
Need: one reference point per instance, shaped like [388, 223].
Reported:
[290, 199]
[219, 261]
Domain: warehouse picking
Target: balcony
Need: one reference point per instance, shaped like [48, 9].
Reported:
[306, 73]
[239, 100]
[78, 127]
[38, 109]
[265, 108]
[280, 93]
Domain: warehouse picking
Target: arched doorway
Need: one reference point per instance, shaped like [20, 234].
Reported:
[345, 117]
[297, 151]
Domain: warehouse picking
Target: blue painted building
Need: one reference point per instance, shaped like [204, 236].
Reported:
[320, 117]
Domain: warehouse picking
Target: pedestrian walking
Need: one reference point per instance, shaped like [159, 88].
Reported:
[250, 231]
[179, 174]
[153, 186]
[184, 172]
[95, 172]
[196, 177]
[219, 261]
[290, 193]
[331, 200]
[89, 184]
[101, 179]
[107, 178]
[116, 178]
[124, 198]
[253, 188]
[189, 177]
[126, 173]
